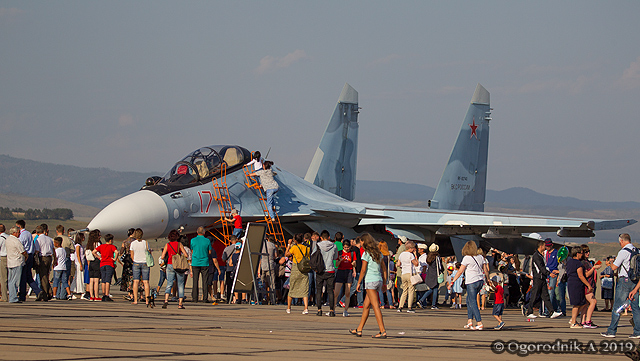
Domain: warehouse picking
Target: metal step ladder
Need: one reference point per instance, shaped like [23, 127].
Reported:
[221, 228]
[274, 227]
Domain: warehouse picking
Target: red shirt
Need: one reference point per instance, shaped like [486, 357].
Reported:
[499, 295]
[172, 248]
[237, 221]
[106, 254]
[345, 259]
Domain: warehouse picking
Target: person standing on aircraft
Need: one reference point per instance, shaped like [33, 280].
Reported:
[269, 185]
[256, 161]
[237, 223]
[539, 287]
[298, 281]
[407, 259]
[475, 269]
[373, 274]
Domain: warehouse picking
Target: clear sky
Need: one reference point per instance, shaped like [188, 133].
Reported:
[136, 85]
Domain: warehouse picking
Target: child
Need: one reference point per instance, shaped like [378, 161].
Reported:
[457, 287]
[498, 305]
[237, 223]
[60, 265]
[107, 253]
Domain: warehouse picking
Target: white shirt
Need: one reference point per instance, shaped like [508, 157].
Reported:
[3, 247]
[473, 272]
[83, 257]
[257, 164]
[61, 256]
[405, 259]
[139, 248]
[15, 249]
[623, 260]
[45, 245]
[422, 260]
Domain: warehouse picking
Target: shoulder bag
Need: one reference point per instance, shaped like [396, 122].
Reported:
[178, 260]
[88, 254]
[416, 278]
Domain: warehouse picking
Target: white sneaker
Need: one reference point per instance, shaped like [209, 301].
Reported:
[556, 315]
[74, 297]
[288, 310]
[531, 316]
[305, 312]
[345, 314]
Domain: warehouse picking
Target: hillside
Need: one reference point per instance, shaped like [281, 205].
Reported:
[94, 187]
[81, 212]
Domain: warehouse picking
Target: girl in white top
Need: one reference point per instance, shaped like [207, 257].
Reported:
[80, 263]
[475, 268]
[256, 161]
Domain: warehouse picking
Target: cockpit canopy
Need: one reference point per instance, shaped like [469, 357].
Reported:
[206, 163]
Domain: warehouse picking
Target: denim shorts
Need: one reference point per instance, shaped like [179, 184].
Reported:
[498, 309]
[140, 269]
[106, 273]
[377, 285]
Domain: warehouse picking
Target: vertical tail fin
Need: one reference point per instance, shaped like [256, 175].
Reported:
[463, 183]
[333, 167]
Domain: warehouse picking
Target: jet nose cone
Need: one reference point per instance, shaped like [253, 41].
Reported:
[143, 209]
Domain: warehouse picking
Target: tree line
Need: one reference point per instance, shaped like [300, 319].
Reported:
[63, 214]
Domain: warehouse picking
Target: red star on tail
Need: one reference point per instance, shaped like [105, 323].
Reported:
[473, 127]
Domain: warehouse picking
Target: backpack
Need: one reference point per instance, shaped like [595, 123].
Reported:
[304, 266]
[634, 265]
[317, 261]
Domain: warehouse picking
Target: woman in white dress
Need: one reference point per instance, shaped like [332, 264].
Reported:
[81, 263]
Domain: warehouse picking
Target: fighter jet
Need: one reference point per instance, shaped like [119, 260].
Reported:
[184, 197]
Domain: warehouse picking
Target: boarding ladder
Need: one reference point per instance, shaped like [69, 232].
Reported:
[222, 197]
[274, 228]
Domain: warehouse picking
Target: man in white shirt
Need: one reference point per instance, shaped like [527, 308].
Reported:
[45, 244]
[16, 256]
[407, 259]
[625, 288]
[4, 272]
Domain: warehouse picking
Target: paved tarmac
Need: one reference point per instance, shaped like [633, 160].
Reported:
[82, 330]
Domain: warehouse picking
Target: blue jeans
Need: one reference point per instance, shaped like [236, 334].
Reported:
[561, 292]
[64, 283]
[13, 281]
[270, 203]
[623, 288]
[171, 276]
[553, 281]
[163, 277]
[472, 303]
[27, 278]
[238, 232]
[140, 269]
[433, 292]
[381, 298]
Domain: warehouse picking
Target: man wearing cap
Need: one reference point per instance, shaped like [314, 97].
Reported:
[540, 275]
[551, 261]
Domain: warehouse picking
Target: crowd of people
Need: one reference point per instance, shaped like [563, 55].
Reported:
[360, 272]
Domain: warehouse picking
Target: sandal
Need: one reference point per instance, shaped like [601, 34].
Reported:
[180, 307]
[356, 332]
[469, 326]
[380, 335]
[479, 327]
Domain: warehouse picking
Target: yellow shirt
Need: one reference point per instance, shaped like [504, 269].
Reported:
[298, 250]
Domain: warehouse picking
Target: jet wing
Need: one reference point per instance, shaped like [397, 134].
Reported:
[488, 225]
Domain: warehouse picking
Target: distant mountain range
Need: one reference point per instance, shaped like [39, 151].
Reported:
[94, 187]
[398, 193]
[79, 187]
